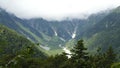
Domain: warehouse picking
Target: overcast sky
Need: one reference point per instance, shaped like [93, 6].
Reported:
[56, 9]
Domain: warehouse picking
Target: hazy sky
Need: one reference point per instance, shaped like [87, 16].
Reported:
[56, 9]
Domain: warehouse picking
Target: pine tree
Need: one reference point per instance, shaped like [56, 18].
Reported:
[79, 57]
[110, 57]
[103, 60]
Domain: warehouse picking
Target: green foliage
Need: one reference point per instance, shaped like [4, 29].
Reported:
[103, 60]
[13, 45]
[79, 56]
[115, 65]
[104, 33]
[79, 59]
[110, 57]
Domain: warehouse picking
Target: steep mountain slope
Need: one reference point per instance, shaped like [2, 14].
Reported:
[18, 25]
[105, 33]
[40, 31]
[55, 32]
[64, 31]
[12, 43]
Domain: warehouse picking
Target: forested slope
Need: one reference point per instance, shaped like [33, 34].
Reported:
[13, 44]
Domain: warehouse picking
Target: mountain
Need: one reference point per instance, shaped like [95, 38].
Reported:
[98, 30]
[64, 31]
[105, 33]
[47, 33]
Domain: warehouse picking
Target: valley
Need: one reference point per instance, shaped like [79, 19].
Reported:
[70, 43]
[51, 34]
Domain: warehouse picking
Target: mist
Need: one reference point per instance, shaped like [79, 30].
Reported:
[56, 9]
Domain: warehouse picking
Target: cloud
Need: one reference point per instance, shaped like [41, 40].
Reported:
[56, 9]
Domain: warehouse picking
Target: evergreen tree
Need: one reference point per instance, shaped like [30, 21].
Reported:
[103, 60]
[79, 57]
[110, 57]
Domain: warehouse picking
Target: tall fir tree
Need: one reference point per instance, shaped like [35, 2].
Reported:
[79, 55]
[110, 57]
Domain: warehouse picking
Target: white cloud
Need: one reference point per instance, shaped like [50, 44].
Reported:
[56, 9]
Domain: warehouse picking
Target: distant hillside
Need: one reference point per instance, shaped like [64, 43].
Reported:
[105, 33]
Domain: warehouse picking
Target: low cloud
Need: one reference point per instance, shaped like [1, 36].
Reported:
[56, 9]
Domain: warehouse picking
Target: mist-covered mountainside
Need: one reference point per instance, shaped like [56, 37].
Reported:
[98, 30]
[18, 25]
[105, 33]
[12, 44]
[42, 30]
